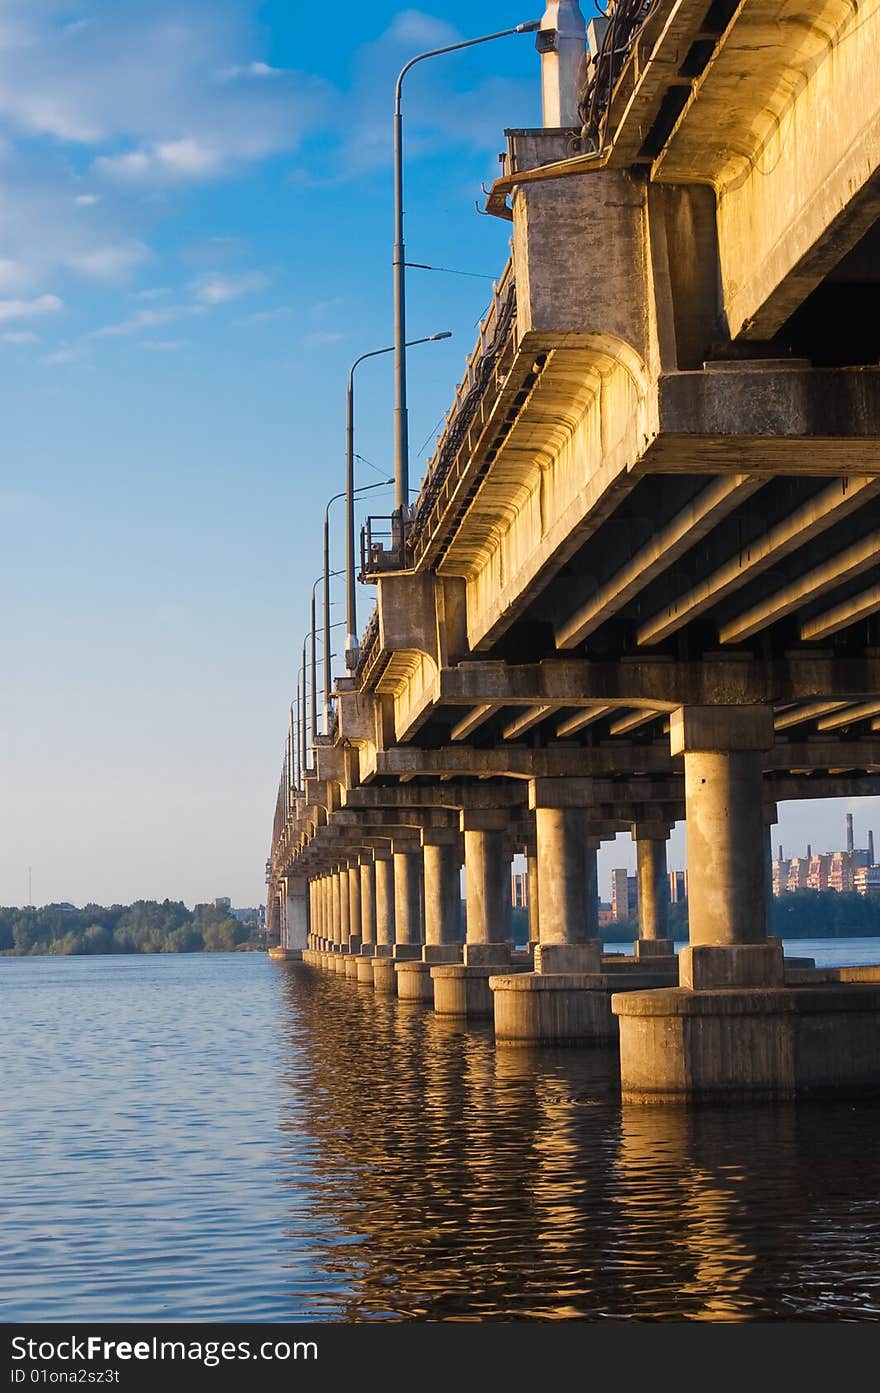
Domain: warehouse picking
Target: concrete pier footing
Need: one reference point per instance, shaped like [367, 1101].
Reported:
[414, 981]
[755, 1042]
[565, 1008]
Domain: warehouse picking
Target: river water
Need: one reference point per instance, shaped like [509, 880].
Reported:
[219, 1137]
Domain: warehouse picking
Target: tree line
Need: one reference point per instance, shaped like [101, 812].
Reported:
[796, 914]
[147, 926]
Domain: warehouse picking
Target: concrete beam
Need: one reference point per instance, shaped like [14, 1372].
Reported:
[572, 724]
[468, 724]
[829, 507]
[661, 683]
[671, 542]
[532, 716]
[796, 717]
[632, 721]
[846, 565]
[842, 616]
[850, 714]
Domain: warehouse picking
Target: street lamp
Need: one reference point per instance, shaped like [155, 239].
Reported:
[314, 638]
[381, 483]
[350, 587]
[401, 429]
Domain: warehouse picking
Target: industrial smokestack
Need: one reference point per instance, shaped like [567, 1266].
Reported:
[809, 852]
[562, 44]
[780, 851]
[849, 832]
[870, 848]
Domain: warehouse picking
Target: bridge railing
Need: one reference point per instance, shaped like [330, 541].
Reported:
[385, 544]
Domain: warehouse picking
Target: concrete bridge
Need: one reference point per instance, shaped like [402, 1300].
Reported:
[639, 582]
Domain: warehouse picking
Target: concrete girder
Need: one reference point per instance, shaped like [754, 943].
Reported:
[529, 718]
[829, 507]
[797, 716]
[632, 721]
[682, 533]
[661, 683]
[841, 616]
[473, 720]
[573, 724]
[845, 566]
[850, 714]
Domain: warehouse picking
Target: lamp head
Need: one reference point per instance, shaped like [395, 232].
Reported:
[447, 334]
[529, 28]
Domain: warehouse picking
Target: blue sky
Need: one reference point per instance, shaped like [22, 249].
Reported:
[195, 230]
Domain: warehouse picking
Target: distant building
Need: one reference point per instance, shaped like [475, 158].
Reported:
[252, 917]
[606, 915]
[678, 886]
[866, 880]
[834, 870]
[223, 902]
[624, 895]
[519, 889]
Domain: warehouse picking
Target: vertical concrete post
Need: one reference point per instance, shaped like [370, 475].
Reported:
[368, 899]
[562, 43]
[533, 889]
[727, 902]
[407, 894]
[487, 858]
[354, 905]
[344, 917]
[770, 818]
[650, 838]
[592, 905]
[297, 915]
[336, 909]
[384, 900]
[442, 856]
[567, 940]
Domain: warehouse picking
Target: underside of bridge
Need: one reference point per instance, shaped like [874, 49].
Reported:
[639, 582]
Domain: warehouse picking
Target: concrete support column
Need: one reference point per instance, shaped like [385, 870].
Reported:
[297, 914]
[487, 858]
[568, 914]
[722, 748]
[442, 857]
[367, 866]
[770, 818]
[344, 918]
[335, 909]
[354, 905]
[407, 894]
[384, 900]
[650, 839]
[533, 889]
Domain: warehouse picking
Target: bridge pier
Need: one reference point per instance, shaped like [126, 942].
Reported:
[653, 941]
[462, 989]
[441, 858]
[567, 999]
[367, 870]
[733, 1029]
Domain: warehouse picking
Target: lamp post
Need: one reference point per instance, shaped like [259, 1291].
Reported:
[350, 586]
[381, 483]
[401, 428]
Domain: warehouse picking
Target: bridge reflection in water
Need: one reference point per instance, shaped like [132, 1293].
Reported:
[470, 1183]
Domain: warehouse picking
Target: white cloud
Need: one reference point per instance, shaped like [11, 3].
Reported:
[264, 316]
[215, 289]
[21, 336]
[155, 292]
[164, 345]
[87, 200]
[324, 338]
[62, 356]
[145, 319]
[249, 70]
[27, 309]
[113, 263]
